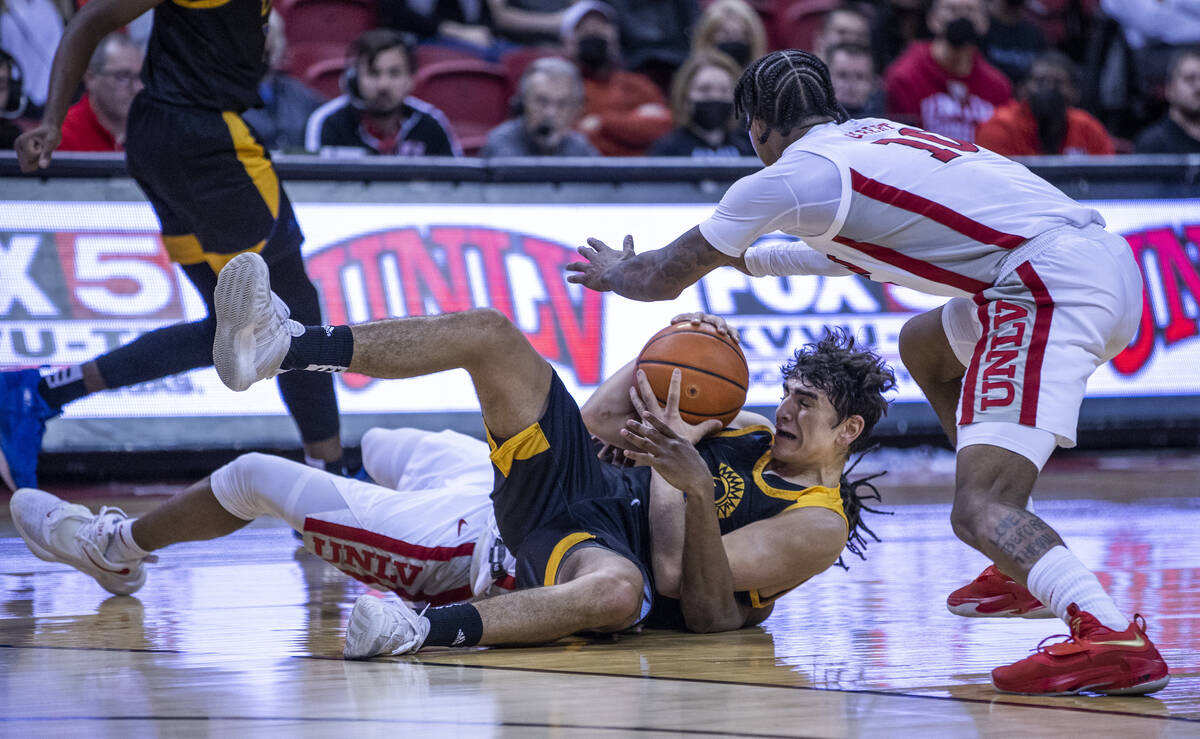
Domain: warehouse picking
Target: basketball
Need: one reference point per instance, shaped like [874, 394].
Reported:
[715, 376]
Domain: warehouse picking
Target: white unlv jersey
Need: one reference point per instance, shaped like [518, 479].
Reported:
[917, 209]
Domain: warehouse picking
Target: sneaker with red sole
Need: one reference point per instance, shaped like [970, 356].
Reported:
[996, 595]
[1094, 659]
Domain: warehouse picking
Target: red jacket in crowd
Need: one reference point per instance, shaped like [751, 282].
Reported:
[624, 127]
[81, 130]
[1013, 133]
[921, 91]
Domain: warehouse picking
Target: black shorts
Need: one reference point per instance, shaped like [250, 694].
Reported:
[552, 496]
[210, 182]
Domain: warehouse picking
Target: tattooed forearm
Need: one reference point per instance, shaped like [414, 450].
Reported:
[1022, 537]
[664, 273]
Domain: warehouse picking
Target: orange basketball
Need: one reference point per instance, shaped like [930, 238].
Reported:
[715, 376]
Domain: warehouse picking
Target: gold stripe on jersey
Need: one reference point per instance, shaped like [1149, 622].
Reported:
[184, 249]
[200, 4]
[729, 433]
[250, 153]
[817, 496]
[529, 442]
[560, 550]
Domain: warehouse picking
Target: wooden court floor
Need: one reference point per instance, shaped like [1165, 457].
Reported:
[243, 636]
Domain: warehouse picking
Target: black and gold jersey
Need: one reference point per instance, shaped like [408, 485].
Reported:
[744, 491]
[207, 53]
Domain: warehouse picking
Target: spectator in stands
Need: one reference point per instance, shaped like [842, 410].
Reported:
[1012, 42]
[377, 115]
[623, 112]
[946, 86]
[1177, 132]
[702, 101]
[897, 23]
[11, 100]
[852, 70]
[846, 24]
[287, 102]
[548, 101]
[655, 35]
[1154, 29]
[732, 28]
[113, 78]
[1042, 120]
[464, 24]
[30, 31]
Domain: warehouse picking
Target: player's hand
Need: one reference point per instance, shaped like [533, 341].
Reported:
[35, 146]
[646, 404]
[600, 258]
[675, 458]
[611, 454]
[716, 322]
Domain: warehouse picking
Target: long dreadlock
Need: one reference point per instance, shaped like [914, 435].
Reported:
[785, 89]
[852, 503]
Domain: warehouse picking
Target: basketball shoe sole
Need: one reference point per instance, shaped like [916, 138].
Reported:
[254, 332]
[995, 595]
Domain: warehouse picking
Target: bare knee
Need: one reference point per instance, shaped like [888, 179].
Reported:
[966, 518]
[925, 350]
[616, 599]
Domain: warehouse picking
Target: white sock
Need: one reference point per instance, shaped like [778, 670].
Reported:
[1059, 579]
[121, 547]
[1029, 504]
[314, 462]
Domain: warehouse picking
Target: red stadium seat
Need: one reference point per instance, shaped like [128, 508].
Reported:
[331, 21]
[515, 61]
[798, 23]
[474, 95]
[426, 54]
[325, 76]
[301, 57]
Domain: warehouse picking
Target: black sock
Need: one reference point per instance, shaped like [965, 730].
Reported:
[321, 349]
[458, 625]
[62, 387]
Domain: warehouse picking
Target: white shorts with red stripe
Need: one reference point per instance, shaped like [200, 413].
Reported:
[425, 531]
[1030, 342]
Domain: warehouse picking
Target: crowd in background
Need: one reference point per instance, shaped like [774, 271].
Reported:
[657, 77]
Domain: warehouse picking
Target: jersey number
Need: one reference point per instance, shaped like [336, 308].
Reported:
[933, 143]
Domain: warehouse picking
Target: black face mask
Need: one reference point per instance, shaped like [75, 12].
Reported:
[960, 32]
[739, 51]
[711, 115]
[593, 52]
[1049, 108]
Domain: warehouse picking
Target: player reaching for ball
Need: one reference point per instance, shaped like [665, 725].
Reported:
[1040, 293]
[596, 547]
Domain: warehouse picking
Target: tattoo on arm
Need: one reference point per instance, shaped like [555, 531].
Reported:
[1023, 537]
[664, 273]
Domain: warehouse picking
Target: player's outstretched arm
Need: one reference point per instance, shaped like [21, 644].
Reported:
[88, 26]
[661, 274]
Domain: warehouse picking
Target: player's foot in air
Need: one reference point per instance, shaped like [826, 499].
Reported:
[23, 415]
[58, 531]
[1094, 659]
[379, 627]
[253, 328]
[996, 595]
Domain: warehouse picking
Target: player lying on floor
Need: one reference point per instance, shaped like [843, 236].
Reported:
[420, 542]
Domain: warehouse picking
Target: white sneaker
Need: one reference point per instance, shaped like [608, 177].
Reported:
[58, 531]
[383, 627]
[254, 332]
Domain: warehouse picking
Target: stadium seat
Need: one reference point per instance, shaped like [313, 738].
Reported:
[515, 61]
[474, 95]
[798, 22]
[426, 54]
[301, 57]
[325, 76]
[333, 21]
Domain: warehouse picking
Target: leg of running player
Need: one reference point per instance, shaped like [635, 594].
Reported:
[929, 359]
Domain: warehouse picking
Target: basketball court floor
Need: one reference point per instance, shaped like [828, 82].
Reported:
[243, 636]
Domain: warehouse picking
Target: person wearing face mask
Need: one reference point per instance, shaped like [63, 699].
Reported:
[946, 85]
[1042, 120]
[702, 101]
[1177, 132]
[377, 115]
[1012, 42]
[623, 112]
[732, 28]
[549, 98]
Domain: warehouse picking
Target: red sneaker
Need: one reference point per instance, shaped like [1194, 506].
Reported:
[1094, 658]
[996, 595]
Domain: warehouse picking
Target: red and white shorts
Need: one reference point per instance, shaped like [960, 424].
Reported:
[1030, 343]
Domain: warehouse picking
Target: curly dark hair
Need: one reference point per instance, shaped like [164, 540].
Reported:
[784, 89]
[853, 378]
[853, 505]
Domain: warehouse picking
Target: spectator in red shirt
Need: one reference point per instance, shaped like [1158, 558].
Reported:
[1043, 120]
[113, 78]
[623, 112]
[945, 85]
